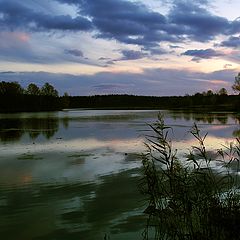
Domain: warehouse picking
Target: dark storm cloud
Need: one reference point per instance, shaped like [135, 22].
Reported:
[233, 42]
[74, 52]
[135, 55]
[202, 53]
[196, 21]
[149, 82]
[126, 21]
[134, 23]
[14, 16]
[235, 26]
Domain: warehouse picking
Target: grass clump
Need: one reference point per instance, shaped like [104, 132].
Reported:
[189, 199]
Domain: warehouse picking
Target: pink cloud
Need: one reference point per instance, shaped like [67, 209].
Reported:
[16, 38]
[219, 82]
[21, 36]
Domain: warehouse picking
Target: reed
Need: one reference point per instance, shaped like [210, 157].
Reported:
[188, 198]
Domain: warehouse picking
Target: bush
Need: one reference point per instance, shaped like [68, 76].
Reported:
[189, 199]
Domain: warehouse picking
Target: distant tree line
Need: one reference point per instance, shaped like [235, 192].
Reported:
[209, 100]
[14, 98]
[199, 100]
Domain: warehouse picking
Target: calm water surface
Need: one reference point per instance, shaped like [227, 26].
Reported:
[74, 174]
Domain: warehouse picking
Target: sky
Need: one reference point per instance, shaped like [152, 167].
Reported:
[142, 47]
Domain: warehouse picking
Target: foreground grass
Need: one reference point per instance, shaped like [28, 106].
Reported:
[190, 199]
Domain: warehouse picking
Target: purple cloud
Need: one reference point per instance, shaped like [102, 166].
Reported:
[15, 15]
[74, 52]
[233, 42]
[132, 55]
[199, 54]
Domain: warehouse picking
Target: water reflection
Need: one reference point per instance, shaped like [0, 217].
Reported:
[236, 132]
[222, 118]
[216, 120]
[79, 180]
[14, 129]
[73, 211]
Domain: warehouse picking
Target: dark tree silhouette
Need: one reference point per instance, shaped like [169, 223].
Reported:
[10, 88]
[13, 98]
[48, 90]
[33, 89]
[236, 85]
[222, 91]
[65, 100]
[209, 92]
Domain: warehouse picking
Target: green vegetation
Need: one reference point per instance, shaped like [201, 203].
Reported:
[190, 198]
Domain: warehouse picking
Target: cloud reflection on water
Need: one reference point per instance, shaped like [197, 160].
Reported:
[81, 181]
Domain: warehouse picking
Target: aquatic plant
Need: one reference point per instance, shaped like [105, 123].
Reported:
[190, 198]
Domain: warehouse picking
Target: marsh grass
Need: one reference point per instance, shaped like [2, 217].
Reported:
[189, 198]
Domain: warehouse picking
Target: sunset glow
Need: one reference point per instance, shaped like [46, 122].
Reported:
[147, 47]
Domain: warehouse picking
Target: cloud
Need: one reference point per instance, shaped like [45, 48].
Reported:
[135, 55]
[199, 54]
[110, 62]
[14, 15]
[104, 58]
[156, 51]
[233, 42]
[74, 52]
[197, 22]
[174, 46]
[15, 46]
[132, 55]
[149, 82]
[227, 65]
[126, 21]
[29, 48]
[235, 26]
[137, 24]
[112, 88]
[126, 55]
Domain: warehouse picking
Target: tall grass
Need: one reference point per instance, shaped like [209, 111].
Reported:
[189, 198]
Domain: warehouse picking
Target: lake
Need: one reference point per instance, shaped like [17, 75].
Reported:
[75, 174]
